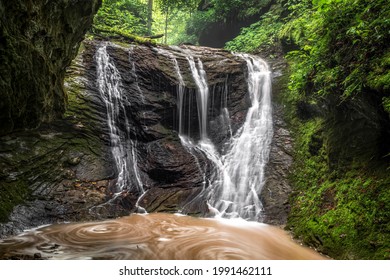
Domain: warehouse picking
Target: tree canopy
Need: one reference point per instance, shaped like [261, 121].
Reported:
[146, 17]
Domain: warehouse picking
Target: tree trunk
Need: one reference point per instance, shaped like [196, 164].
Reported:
[166, 25]
[150, 16]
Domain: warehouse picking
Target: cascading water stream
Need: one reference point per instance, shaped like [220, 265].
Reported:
[238, 174]
[199, 76]
[122, 147]
[244, 163]
[184, 139]
[180, 94]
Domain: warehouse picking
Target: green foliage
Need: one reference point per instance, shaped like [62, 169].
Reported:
[237, 9]
[123, 16]
[386, 104]
[171, 18]
[379, 77]
[342, 45]
[129, 19]
[345, 216]
[224, 11]
[184, 5]
[176, 28]
[199, 21]
[259, 36]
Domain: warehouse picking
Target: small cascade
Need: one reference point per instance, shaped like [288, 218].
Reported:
[122, 147]
[243, 165]
[180, 88]
[202, 99]
[225, 110]
[180, 94]
[238, 171]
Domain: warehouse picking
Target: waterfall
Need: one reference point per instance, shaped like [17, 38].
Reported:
[238, 175]
[122, 147]
[243, 165]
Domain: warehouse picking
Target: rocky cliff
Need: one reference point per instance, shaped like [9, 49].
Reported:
[38, 40]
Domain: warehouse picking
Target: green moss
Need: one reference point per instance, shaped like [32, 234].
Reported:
[379, 76]
[341, 211]
[121, 34]
[386, 104]
[12, 194]
[74, 102]
[123, 44]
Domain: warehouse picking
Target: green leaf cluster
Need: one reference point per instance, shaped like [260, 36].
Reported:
[123, 16]
[130, 17]
[342, 47]
[341, 55]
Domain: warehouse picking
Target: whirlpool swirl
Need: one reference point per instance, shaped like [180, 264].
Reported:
[157, 236]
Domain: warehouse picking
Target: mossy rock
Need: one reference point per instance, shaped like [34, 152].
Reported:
[11, 194]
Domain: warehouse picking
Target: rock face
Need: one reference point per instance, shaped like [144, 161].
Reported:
[38, 40]
[67, 171]
[277, 189]
[171, 175]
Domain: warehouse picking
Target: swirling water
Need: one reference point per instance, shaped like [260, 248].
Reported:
[158, 236]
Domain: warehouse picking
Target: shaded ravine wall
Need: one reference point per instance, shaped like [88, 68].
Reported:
[38, 40]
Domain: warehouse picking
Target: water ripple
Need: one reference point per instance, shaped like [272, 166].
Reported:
[157, 236]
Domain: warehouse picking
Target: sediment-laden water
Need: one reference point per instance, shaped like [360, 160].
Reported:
[157, 236]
